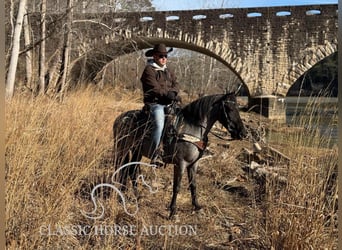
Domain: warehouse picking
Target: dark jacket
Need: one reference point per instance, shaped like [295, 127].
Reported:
[156, 83]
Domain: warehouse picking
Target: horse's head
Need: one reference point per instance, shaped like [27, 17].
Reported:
[230, 117]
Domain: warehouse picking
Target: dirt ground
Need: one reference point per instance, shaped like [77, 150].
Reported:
[233, 214]
[57, 153]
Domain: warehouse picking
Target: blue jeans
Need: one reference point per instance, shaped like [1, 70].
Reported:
[158, 117]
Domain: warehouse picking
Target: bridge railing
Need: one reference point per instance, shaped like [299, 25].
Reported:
[92, 7]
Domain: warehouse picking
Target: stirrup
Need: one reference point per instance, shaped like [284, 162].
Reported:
[157, 160]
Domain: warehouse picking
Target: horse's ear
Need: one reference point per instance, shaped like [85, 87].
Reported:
[235, 93]
[225, 97]
[238, 89]
[227, 92]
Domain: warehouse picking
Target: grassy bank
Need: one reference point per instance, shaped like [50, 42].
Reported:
[304, 214]
[57, 151]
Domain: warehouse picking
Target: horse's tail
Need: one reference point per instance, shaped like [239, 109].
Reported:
[124, 140]
[119, 154]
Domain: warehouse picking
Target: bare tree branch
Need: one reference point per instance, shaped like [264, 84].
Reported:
[15, 50]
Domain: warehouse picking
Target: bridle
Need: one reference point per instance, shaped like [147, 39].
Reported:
[204, 139]
[201, 143]
[226, 117]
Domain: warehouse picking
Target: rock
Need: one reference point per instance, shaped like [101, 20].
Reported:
[254, 165]
[236, 186]
[256, 147]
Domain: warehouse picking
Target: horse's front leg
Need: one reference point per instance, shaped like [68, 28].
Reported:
[177, 178]
[192, 170]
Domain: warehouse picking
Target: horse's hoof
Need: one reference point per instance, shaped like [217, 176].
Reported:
[172, 214]
[198, 207]
[174, 218]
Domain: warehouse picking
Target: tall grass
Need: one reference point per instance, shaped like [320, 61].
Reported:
[303, 215]
[52, 148]
[56, 151]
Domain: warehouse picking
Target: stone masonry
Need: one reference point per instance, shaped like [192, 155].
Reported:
[268, 48]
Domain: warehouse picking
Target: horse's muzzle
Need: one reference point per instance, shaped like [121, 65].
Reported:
[242, 134]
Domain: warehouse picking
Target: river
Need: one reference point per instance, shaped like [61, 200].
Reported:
[314, 113]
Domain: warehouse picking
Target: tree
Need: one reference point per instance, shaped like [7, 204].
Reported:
[50, 28]
[42, 49]
[15, 50]
[135, 5]
[28, 54]
[66, 47]
[119, 5]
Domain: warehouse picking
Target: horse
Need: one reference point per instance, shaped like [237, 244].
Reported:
[132, 139]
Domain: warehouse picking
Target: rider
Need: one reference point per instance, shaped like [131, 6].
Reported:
[160, 88]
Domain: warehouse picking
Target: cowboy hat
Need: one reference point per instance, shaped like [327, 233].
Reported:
[158, 48]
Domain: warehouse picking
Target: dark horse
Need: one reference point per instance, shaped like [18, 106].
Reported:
[194, 121]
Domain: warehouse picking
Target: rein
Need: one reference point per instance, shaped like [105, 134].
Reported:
[226, 116]
[201, 143]
[220, 137]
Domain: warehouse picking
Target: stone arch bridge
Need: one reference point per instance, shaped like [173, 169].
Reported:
[268, 48]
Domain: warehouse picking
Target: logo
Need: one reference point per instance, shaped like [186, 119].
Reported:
[118, 229]
[116, 187]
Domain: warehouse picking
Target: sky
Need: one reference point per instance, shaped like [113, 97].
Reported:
[163, 5]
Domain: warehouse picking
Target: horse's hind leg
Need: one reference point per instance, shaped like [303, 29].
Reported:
[123, 174]
[134, 171]
[192, 169]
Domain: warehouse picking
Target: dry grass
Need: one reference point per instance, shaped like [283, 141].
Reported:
[57, 151]
[304, 214]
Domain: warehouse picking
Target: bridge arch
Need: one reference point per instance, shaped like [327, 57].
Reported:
[90, 64]
[268, 52]
[310, 58]
[320, 82]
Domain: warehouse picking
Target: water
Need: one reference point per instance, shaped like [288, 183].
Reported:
[314, 113]
[310, 113]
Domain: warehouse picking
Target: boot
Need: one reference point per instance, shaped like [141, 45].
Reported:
[157, 159]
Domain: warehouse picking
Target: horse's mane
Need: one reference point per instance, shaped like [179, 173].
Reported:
[197, 110]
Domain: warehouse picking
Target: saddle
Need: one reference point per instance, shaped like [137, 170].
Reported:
[170, 135]
[172, 111]
[172, 120]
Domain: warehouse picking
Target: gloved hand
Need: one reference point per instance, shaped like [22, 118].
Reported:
[171, 95]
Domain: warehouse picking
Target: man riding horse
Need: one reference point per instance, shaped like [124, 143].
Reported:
[160, 88]
[192, 124]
